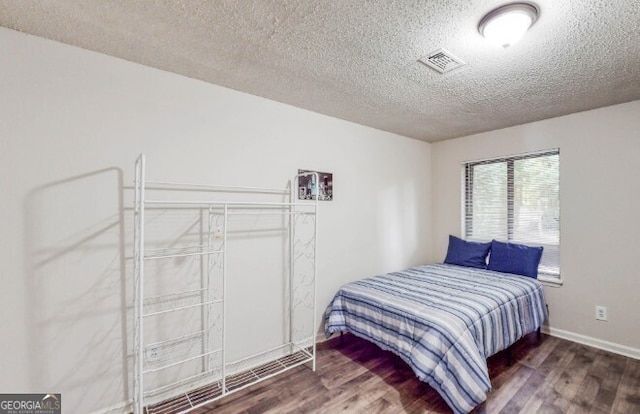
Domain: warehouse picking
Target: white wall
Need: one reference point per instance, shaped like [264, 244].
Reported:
[71, 125]
[600, 203]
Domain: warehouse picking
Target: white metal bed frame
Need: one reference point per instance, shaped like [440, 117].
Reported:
[227, 380]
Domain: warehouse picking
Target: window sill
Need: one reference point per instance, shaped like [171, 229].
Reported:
[551, 281]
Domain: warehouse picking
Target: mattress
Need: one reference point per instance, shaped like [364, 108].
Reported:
[443, 320]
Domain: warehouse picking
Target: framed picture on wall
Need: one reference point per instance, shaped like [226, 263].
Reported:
[307, 188]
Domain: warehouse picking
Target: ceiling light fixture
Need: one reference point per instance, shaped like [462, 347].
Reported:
[507, 24]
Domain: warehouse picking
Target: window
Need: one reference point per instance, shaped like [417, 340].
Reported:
[516, 199]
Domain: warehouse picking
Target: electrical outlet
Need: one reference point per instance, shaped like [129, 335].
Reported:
[153, 354]
[601, 313]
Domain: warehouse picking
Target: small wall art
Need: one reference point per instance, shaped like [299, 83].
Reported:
[307, 187]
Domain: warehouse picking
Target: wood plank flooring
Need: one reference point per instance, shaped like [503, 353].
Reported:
[550, 376]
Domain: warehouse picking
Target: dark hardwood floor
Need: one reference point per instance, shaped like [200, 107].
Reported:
[550, 376]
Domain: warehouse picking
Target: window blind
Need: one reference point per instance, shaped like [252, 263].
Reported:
[516, 199]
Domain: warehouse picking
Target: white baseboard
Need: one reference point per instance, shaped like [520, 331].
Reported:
[594, 342]
[321, 338]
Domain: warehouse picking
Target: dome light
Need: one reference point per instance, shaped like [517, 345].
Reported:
[507, 24]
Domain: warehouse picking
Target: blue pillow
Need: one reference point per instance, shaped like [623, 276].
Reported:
[514, 258]
[465, 253]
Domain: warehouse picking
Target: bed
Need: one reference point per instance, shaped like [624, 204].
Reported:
[443, 320]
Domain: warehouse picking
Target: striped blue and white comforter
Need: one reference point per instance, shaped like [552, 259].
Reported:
[443, 320]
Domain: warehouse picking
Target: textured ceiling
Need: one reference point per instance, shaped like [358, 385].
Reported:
[357, 59]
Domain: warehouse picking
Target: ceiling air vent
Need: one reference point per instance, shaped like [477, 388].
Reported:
[442, 61]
